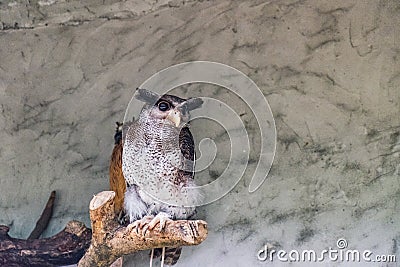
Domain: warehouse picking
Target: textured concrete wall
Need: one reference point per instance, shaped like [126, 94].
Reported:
[329, 69]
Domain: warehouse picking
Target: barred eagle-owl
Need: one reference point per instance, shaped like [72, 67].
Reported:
[157, 150]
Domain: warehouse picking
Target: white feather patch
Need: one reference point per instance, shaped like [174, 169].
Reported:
[134, 206]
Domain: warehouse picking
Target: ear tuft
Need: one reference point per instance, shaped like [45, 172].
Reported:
[193, 103]
[146, 96]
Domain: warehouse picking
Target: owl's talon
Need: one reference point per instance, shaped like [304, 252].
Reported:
[131, 226]
[161, 218]
[145, 229]
[141, 225]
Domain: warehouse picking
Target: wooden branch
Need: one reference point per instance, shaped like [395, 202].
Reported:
[65, 248]
[111, 241]
[44, 219]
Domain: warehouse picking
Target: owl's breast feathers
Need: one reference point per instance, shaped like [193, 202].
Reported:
[154, 151]
[158, 158]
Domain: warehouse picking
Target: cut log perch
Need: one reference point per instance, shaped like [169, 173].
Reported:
[111, 241]
[65, 248]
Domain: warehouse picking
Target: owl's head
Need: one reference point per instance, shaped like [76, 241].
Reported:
[174, 110]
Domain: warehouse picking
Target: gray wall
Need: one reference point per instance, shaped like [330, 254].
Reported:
[329, 69]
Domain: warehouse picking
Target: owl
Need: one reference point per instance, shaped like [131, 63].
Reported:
[158, 165]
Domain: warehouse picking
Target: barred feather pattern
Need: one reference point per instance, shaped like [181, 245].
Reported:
[154, 159]
[171, 255]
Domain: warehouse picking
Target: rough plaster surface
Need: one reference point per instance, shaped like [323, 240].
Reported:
[329, 69]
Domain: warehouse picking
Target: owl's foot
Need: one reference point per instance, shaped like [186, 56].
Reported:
[161, 218]
[149, 222]
[141, 225]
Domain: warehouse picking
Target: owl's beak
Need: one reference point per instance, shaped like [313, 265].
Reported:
[175, 117]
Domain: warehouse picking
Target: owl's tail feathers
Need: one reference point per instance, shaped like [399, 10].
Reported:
[171, 255]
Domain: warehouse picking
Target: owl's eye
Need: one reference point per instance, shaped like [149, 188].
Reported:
[163, 106]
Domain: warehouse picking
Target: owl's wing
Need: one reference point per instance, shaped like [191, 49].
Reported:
[117, 180]
[186, 144]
